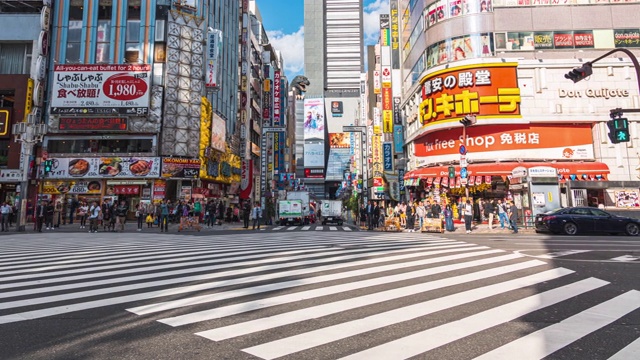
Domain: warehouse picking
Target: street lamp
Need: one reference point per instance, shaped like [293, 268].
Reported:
[28, 133]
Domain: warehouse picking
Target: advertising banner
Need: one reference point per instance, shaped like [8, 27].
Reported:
[314, 119]
[105, 167]
[376, 82]
[510, 141]
[277, 97]
[180, 168]
[92, 124]
[491, 90]
[337, 163]
[626, 38]
[313, 155]
[246, 178]
[218, 132]
[339, 140]
[376, 155]
[100, 89]
[395, 35]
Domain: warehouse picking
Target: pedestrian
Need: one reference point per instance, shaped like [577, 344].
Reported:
[5, 212]
[513, 217]
[410, 213]
[363, 216]
[370, 212]
[197, 210]
[448, 218]
[40, 215]
[73, 207]
[502, 214]
[376, 214]
[83, 213]
[468, 216]
[489, 209]
[94, 217]
[256, 214]
[57, 210]
[246, 214]
[140, 211]
[121, 214]
[164, 216]
[49, 215]
[421, 212]
[436, 209]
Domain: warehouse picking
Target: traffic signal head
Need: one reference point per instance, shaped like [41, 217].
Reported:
[618, 130]
[48, 165]
[452, 172]
[579, 73]
[468, 120]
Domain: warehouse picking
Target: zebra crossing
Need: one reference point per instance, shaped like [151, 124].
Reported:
[312, 228]
[357, 296]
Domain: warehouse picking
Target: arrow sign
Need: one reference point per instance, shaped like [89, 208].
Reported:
[463, 173]
[626, 258]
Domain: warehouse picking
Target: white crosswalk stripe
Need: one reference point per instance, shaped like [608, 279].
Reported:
[283, 294]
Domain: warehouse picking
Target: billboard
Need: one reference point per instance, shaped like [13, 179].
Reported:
[490, 89]
[314, 119]
[218, 132]
[339, 140]
[314, 155]
[105, 167]
[100, 89]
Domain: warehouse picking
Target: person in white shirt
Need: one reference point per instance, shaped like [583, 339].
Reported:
[256, 215]
[94, 216]
[468, 216]
[5, 211]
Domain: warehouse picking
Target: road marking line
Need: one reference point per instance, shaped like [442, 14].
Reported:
[333, 228]
[421, 342]
[346, 228]
[629, 352]
[291, 228]
[544, 342]
[189, 318]
[626, 258]
[318, 228]
[278, 228]
[305, 228]
[318, 311]
[558, 254]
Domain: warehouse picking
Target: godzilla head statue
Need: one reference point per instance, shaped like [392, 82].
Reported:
[299, 86]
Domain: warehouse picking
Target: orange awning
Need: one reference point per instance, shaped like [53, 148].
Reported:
[565, 169]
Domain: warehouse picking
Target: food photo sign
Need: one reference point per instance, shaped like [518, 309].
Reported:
[180, 168]
[105, 167]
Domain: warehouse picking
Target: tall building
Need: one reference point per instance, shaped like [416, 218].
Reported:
[538, 138]
[333, 64]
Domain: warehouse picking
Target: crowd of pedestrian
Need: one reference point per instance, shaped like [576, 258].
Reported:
[413, 215]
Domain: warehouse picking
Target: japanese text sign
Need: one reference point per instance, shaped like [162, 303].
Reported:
[387, 150]
[491, 90]
[100, 89]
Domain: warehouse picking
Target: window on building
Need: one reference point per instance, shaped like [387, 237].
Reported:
[74, 33]
[85, 146]
[132, 41]
[15, 58]
[103, 32]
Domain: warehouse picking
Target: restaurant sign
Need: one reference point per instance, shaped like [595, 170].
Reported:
[180, 168]
[72, 187]
[104, 167]
[491, 90]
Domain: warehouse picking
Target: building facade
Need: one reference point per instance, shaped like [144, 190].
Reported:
[504, 63]
[333, 65]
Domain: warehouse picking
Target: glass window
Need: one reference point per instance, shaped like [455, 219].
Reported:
[103, 32]
[76, 146]
[599, 213]
[74, 31]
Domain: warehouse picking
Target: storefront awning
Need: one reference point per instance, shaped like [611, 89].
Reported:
[579, 170]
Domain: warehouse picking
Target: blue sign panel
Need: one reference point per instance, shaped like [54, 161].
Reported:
[398, 139]
[387, 153]
[401, 181]
[463, 149]
[463, 173]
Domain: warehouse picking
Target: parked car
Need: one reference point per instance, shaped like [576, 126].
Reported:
[574, 220]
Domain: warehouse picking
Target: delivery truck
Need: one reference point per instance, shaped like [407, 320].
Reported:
[290, 212]
[304, 197]
[331, 212]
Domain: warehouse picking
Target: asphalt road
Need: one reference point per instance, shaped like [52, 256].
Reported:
[318, 294]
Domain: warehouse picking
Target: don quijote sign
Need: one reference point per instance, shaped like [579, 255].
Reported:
[100, 89]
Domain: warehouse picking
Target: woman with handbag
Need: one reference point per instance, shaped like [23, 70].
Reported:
[82, 214]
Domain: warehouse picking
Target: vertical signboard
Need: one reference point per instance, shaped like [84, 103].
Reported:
[266, 97]
[214, 50]
[395, 35]
[376, 81]
[387, 110]
[246, 166]
[387, 153]
[385, 36]
[398, 139]
[376, 157]
[276, 98]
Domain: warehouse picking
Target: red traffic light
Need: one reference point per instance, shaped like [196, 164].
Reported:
[579, 73]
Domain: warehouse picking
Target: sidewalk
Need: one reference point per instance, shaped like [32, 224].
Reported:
[129, 227]
[477, 229]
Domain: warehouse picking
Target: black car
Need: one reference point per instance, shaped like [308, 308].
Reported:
[574, 220]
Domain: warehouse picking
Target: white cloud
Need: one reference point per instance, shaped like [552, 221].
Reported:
[371, 21]
[292, 48]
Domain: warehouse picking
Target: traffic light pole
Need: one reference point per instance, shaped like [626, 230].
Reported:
[633, 58]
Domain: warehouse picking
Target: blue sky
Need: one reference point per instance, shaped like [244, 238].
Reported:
[284, 22]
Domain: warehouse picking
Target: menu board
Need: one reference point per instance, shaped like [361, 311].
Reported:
[105, 167]
[180, 168]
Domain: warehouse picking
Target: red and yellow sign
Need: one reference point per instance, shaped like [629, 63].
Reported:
[490, 90]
